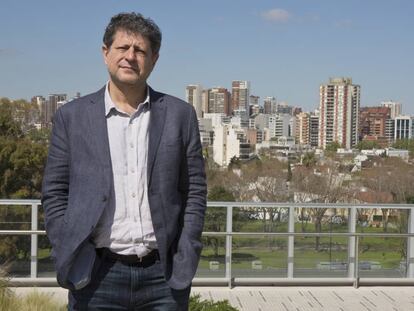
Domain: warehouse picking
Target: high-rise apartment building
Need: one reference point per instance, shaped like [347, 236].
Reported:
[219, 100]
[284, 108]
[403, 127]
[339, 108]
[193, 95]
[254, 105]
[240, 95]
[389, 130]
[372, 122]
[51, 105]
[395, 107]
[302, 135]
[314, 129]
[204, 102]
[261, 121]
[230, 142]
[254, 100]
[279, 125]
[269, 105]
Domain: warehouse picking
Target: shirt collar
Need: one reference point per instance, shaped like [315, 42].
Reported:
[110, 105]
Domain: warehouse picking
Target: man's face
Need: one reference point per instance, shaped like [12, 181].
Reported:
[129, 59]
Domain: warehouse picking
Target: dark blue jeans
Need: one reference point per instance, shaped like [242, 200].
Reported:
[119, 286]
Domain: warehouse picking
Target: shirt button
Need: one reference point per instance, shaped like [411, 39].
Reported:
[133, 194]
[131, 145]
[132, 170]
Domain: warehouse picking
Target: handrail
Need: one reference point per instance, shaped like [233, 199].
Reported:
[284, 234]
[256, 204]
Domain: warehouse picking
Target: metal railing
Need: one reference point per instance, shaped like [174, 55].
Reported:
[229, 279]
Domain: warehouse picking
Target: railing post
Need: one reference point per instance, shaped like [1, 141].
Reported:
[291, 243]
[352, 242]
[229, 240]
[410, 244]
[356, 267]
[34, 240]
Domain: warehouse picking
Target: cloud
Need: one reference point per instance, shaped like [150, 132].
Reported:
[276, 15]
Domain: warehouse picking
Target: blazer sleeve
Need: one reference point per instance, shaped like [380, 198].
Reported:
[195, 180]
[55, 188]
[193, 185]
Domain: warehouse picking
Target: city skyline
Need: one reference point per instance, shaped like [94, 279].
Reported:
[286, 50]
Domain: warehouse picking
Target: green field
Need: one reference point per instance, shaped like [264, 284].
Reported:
[272, 251]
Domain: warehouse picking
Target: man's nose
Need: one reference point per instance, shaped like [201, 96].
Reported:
[130, 54]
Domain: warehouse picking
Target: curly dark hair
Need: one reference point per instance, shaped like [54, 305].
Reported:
[134, 23]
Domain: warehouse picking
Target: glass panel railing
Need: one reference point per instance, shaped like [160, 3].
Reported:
[259, 257]
[260, 219]
[382, 257]
[382, 220]
[321, 257]
[260, 243]
[15, 255]
[45, 267]
[15, 217]
[212, 261]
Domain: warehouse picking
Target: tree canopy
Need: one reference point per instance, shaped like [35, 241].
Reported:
[367, 145]
[23, 152]
[407, 144]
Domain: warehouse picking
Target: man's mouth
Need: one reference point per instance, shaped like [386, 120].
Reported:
[129, 68]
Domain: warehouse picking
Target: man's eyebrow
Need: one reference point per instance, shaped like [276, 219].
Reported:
[127, 44]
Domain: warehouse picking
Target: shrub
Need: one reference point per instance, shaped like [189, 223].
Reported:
[196, 304]
[33, 301]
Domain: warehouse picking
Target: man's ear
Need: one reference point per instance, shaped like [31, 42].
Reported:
[105, 51]
[155, 58]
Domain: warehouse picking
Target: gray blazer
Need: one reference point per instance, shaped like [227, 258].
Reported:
[78, 185]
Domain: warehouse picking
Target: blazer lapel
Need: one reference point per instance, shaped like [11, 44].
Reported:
[156, 126]
[98, 127]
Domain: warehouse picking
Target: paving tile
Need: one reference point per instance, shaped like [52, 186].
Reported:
[295, 298]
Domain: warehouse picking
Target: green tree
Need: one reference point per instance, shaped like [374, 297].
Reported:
[39, 135]
[332, 147]
[309, 159]
[262, 181]
[22, 113]
[8, 126]
[407, 144]
[367, 145]
[22, 159]
[325, 187]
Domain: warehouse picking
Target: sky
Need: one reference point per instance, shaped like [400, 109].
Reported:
[285, 49]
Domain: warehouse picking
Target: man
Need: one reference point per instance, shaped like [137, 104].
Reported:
[124, 188]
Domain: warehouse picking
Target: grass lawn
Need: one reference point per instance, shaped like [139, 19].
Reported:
[272, 251]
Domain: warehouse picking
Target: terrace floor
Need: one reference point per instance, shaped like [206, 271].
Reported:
[296, 298]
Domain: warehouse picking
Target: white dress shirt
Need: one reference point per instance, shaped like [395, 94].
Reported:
[128, 228]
